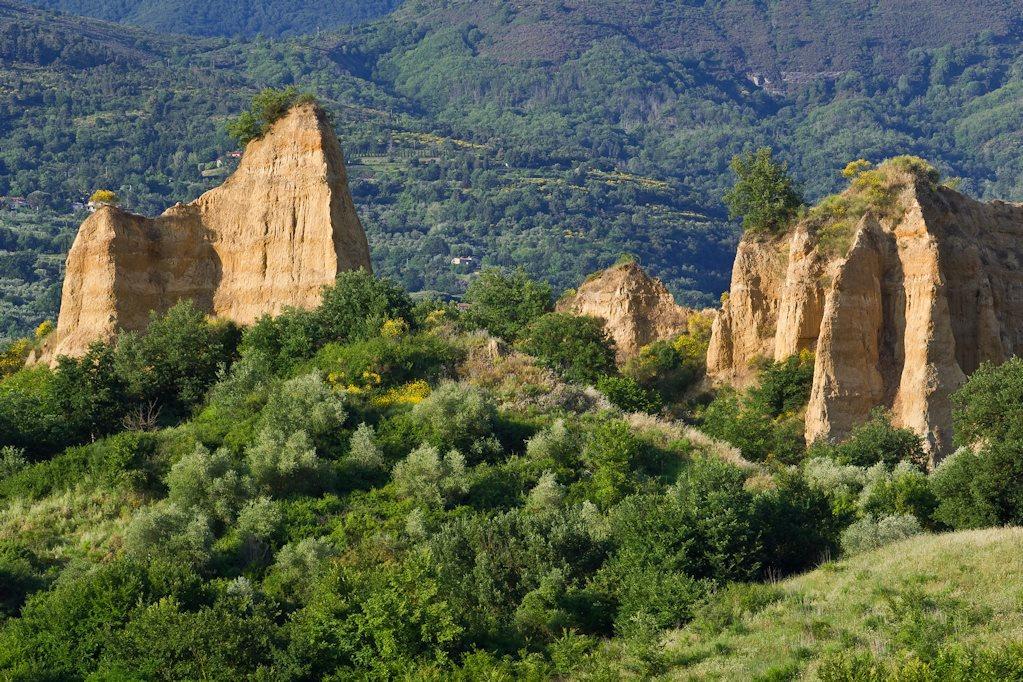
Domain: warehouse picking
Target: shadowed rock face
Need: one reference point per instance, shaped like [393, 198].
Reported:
[278, 230]
[637, 309]
[917, 303]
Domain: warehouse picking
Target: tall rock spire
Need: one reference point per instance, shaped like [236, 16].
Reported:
[922, 290]
[277, 231]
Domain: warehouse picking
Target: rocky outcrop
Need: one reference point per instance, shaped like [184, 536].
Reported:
[278, 230]
[927, 289]
[637, 309]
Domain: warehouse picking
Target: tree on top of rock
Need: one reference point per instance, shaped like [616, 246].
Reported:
[268, 106]
[764, 194]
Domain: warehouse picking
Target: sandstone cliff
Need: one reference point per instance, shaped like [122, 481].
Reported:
[900, 286]
[278, 230]
[637, 309]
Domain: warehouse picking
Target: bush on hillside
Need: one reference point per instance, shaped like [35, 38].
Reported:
[505, 304]
[876, 441]
[576, 347]
[354, 308]
[989, 406]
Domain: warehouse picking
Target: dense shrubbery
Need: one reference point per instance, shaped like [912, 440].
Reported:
[505, 305]
[765, 422]
[134, 381]
[348, 498]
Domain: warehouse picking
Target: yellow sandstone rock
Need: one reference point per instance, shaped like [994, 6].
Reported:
[278, 230]
[637, 309]
[928, 289]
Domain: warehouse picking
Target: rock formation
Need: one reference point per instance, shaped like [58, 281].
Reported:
[900, 301]
[278, 230]
[637, 309]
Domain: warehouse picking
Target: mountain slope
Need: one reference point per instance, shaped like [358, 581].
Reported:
[227, 17]
[910, 599]
[552, 136]
[798, 37]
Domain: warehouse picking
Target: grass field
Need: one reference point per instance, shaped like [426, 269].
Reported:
[908, 599]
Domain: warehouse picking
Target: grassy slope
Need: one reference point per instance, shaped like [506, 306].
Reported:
[842, 606]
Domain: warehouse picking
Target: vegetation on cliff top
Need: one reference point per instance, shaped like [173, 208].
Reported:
[871, 190]
[268, 106]
[764, 195]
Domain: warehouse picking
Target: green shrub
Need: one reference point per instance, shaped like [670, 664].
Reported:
[904, 490]
[428, 478]
[669, 549]
[611, 453]
[170, 533]
[382, 621]
[286, 464]
[61, 633]
[354, 308]
[576, 347]
[211, 483]
[764, 194]
[505, 304]
[976, 490]
[268, 106]
[456, 417]
[164, 641]
[296, 568]
[176, 360]
[671, 368]
[784, 386]
[799, 528]
[363, 452]
[626, 394]
[32, 414]
[21, 573]
[989, 406]
[555, 445]
[509, 576]
[872, 532]
[305, 403]
[386, 362]
[876, 441]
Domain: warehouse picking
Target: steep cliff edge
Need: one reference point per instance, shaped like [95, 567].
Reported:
[637, 309]
[278, 230]
[900, 286]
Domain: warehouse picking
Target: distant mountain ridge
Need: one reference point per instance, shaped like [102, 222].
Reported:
[798, 38]
[228, 17]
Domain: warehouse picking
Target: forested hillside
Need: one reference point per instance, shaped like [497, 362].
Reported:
[227, 17]
[549, 135]
[377, 488]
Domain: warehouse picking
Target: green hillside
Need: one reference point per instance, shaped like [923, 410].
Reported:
[227, 17]
[918, 599]
[378, 488]
[552, 136]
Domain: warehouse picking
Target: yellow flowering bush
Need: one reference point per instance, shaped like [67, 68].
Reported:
[394, 329]
[409, 394]
[43, 330]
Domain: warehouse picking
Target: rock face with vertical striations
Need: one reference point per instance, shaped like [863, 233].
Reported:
[277, 231]
[899, 302]
[637, 309]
